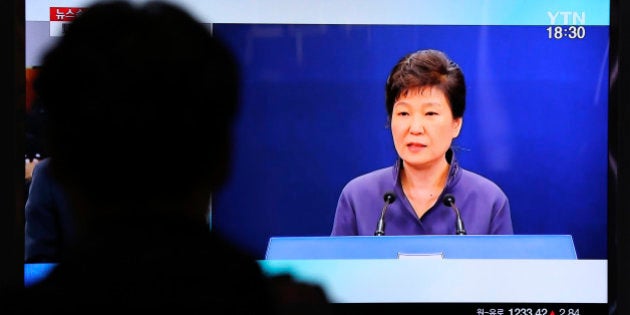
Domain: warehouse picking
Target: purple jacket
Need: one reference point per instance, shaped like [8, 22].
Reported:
[484, 207]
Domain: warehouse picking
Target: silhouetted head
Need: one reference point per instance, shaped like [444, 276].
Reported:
[140, 101]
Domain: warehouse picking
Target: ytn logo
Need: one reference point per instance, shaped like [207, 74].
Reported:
[567, 18]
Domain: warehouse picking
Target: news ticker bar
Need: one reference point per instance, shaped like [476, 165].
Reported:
[476, 308]
[399, 12]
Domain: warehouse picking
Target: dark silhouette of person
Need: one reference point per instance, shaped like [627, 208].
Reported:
[33, 121]
[140, 99]
[49, 228]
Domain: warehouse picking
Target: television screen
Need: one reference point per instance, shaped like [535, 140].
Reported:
[313, 117]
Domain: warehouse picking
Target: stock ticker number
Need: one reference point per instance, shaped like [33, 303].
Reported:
[528, 311]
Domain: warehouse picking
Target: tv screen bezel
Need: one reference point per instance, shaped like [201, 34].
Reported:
[618, 240]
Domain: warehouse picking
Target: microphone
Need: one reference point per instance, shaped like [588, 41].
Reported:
[449, 201]
[389, 198]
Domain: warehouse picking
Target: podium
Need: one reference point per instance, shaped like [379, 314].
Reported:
[444, 246]
[468, 268]
[427, 268]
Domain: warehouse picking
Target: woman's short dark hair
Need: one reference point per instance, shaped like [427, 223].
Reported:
[427, 68]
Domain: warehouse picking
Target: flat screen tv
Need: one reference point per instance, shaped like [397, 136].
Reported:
[541, 121]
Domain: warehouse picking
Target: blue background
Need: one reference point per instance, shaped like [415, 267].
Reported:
[313, 117]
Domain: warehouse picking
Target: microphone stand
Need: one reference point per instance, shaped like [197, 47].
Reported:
[449, 200]
[380, 226]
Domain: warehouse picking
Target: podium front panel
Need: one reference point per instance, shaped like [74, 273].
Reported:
[443, 246]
